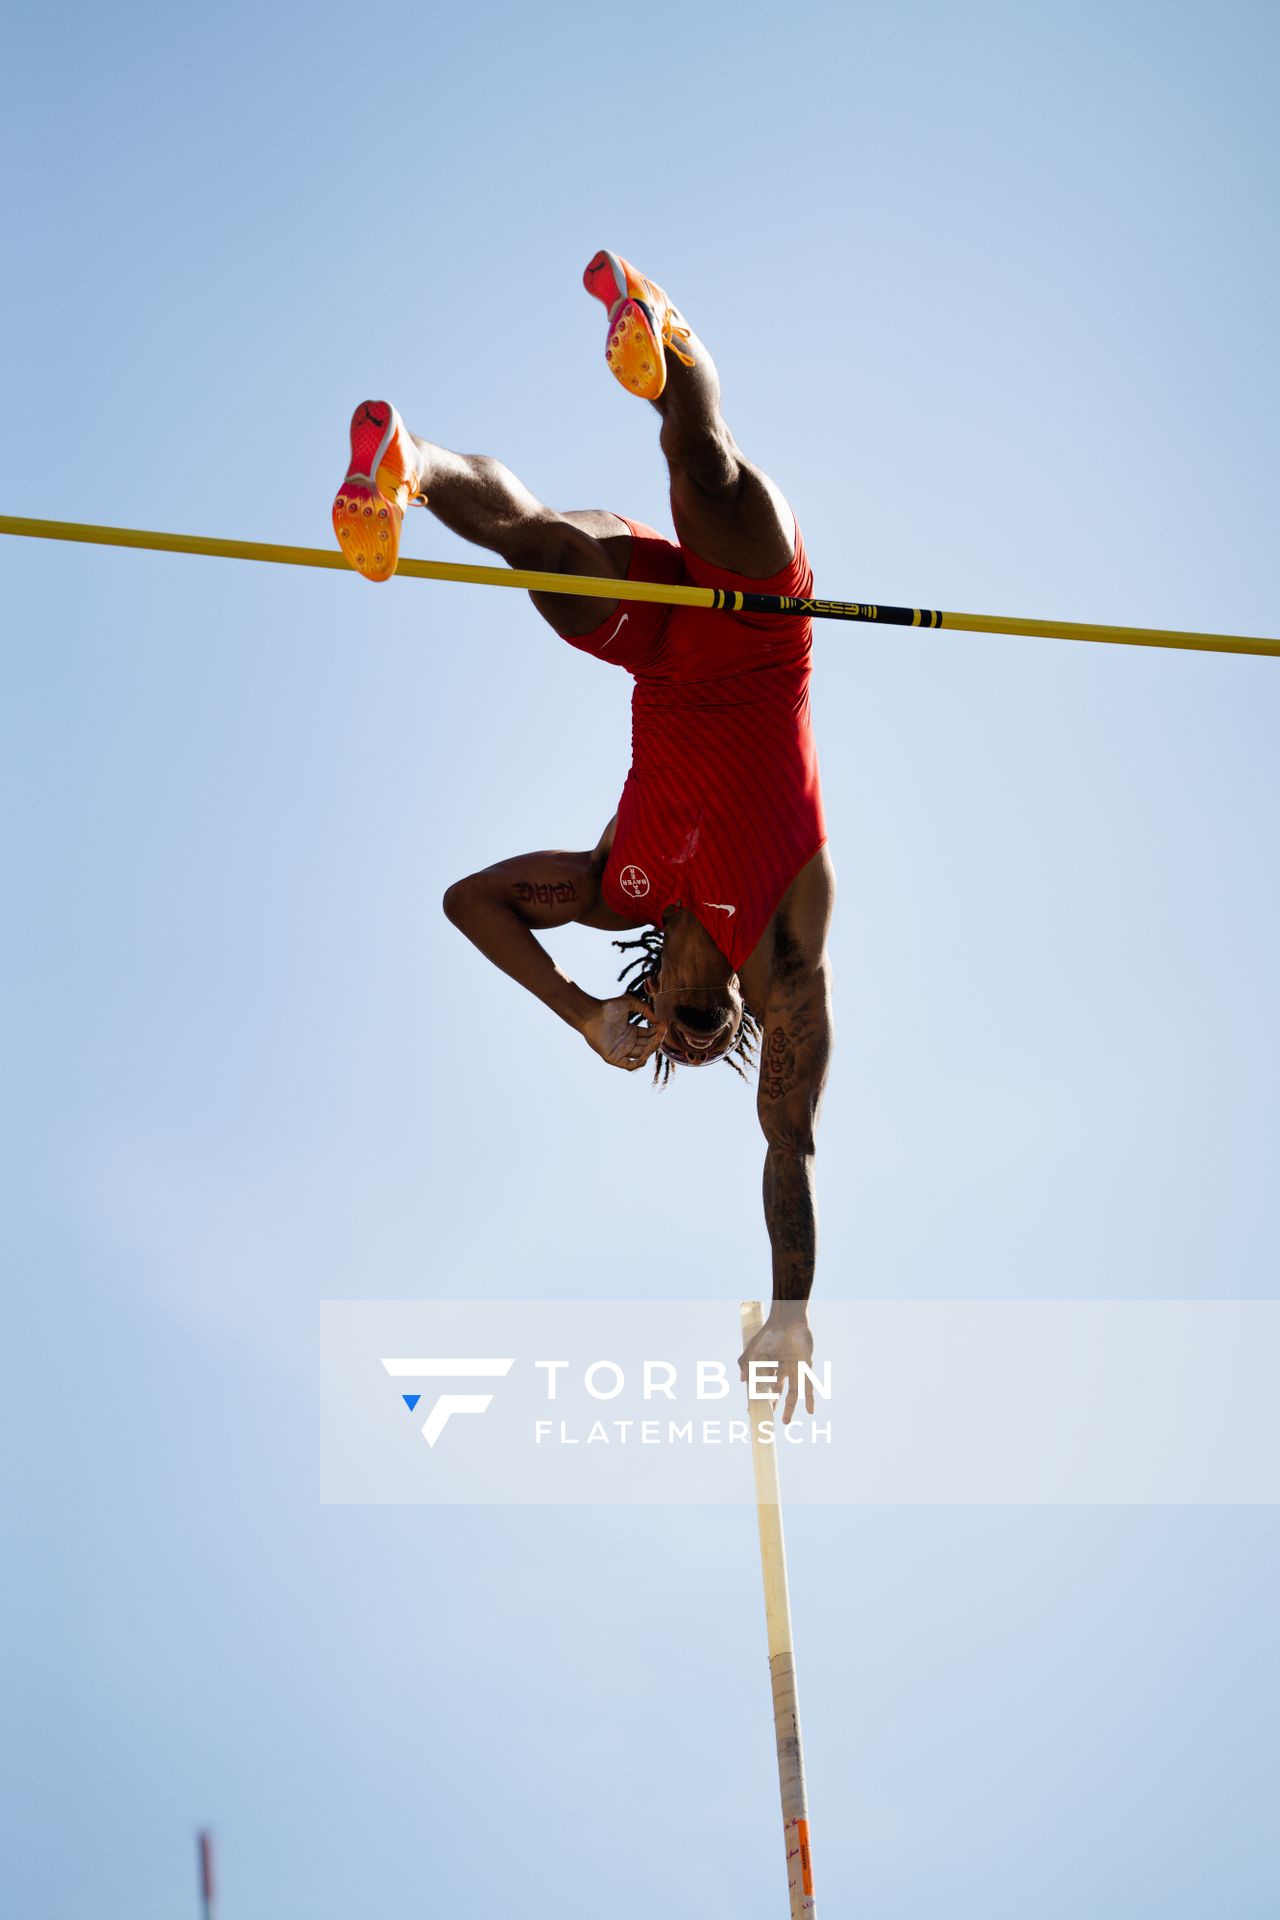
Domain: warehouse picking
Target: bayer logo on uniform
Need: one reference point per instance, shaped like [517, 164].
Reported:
[634, 881]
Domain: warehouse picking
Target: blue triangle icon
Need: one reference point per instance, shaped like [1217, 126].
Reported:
[411, 1400]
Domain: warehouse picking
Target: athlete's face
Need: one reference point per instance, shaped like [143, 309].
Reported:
[685, 1015]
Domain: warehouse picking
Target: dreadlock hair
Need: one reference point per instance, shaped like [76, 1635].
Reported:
[642, 971]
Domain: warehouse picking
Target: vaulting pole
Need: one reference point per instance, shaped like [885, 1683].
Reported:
[782, 1659]
[591, 587]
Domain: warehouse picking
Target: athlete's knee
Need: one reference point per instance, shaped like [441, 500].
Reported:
[519, 526]
[706, 454]
[547, 543]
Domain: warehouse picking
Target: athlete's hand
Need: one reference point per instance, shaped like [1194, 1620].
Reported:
[607, 1030]
[783, 1341]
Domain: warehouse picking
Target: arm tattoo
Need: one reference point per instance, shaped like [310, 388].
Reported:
[780, 1072]
[545, 893]
[792, 1071]
[778, 1064]
[791, 1217]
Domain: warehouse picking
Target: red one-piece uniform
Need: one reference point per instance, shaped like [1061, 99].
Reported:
[722, 806]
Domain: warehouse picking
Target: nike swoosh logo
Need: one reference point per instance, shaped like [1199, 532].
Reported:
[617, 630]
[720, 906]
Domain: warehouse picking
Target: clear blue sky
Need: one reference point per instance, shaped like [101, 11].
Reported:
[993, 291]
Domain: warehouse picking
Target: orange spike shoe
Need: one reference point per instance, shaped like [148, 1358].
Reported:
[384, 476]
[642, 325]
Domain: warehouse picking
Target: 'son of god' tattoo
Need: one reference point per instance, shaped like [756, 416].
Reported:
[778, 1064]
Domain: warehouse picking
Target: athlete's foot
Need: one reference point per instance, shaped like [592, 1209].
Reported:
[643, 325]
[383, 477]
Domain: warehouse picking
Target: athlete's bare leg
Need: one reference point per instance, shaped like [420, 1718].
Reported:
[726, 510]
[482, 501]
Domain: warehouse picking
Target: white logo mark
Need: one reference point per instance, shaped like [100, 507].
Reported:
[617, 630]
[635, 881]
[719, 906]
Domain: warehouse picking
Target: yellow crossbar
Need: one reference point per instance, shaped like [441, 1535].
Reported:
[594, 588]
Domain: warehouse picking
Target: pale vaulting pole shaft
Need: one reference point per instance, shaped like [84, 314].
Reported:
[590, 586]
[782, 1659]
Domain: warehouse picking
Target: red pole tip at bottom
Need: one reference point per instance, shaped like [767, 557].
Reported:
[205, 1848]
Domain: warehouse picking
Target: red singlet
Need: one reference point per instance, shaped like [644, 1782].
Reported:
[722, 806]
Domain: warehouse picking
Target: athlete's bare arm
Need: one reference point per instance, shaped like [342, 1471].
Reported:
[790, 988]
[501, 908]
